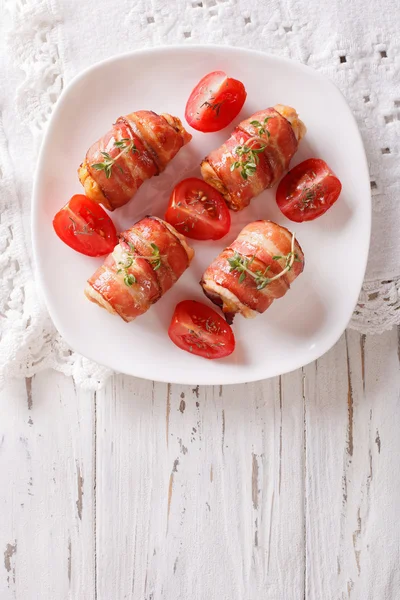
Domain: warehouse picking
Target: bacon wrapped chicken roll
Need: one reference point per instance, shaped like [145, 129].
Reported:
[149, 259]
[256, 155]
[137, 147]
[254, 270]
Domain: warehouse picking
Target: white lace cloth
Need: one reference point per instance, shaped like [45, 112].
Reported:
[44, 43]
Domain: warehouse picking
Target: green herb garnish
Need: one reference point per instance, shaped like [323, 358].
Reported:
[241, 265]
[261, 130]
[249, 158]
[156, 261]
[129, 279]
[126, 145]
[123, 266]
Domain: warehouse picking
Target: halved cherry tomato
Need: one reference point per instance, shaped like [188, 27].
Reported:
[215, 101]
[198, 329]
[198, 211]
[84, 226]
[308, 190]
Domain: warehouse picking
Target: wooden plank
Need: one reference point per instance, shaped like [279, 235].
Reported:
[353, 480]
[286, 488]
[46, 452]
[200, 490]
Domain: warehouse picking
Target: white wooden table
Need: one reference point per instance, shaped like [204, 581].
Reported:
[287, 489]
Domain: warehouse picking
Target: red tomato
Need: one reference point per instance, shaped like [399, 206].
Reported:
[198, 211]
[198, 329]
[308, 190]
[84, 226]
[215, 101]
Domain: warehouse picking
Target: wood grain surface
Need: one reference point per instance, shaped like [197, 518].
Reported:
[286, 489]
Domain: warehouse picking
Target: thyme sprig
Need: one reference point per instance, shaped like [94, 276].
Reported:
[129, 278]
[249, 158]
[241, 264]
[156, 261]
[261, 127]
[124, 266]
[126, 145]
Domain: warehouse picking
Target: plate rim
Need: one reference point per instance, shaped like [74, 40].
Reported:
[39, 273]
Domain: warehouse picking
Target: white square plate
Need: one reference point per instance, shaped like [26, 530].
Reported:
[297, 328]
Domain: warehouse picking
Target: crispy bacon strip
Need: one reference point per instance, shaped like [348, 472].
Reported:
[149, 259]
[279, 132]
[263, 247]
[139, 145]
